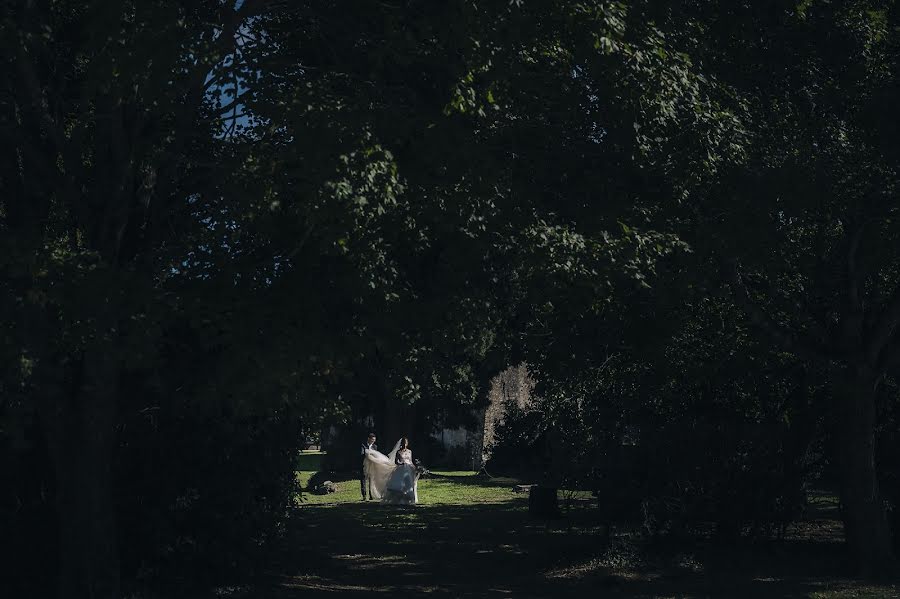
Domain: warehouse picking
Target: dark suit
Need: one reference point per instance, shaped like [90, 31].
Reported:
[363, 483]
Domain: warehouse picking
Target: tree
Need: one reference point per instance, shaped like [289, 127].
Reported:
[512, 129]
[109, 130]
[780, 174]
[804, 223]
[306, 192]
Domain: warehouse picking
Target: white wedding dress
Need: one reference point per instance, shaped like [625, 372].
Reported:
[393, 477]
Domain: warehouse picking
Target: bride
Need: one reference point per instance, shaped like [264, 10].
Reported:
[393, 477]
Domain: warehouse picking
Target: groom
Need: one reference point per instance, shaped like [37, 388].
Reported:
[365, 483]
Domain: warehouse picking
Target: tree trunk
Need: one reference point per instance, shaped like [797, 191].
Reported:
[543, 502]
[865, 519]
[478, 439]
[81, 436]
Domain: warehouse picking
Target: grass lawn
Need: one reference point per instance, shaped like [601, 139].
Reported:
[444, 488]
[472, 537]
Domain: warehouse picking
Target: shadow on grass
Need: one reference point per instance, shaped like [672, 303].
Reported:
[496, 550]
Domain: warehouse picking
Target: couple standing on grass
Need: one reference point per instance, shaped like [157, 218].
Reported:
[392, 478]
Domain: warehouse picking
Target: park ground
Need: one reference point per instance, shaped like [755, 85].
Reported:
[471, 536]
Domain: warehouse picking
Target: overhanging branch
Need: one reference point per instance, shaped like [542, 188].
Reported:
[196, 86]
[38, 103]
[781, 335]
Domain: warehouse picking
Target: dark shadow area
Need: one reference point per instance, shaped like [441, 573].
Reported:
[648, 251]
[497, 550]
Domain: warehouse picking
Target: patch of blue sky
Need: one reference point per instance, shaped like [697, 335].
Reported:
[230, 81]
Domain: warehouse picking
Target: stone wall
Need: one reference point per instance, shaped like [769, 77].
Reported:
[472, 447]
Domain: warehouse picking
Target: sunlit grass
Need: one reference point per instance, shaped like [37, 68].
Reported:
[441, 488]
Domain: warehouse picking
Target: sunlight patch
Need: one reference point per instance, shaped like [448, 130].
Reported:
[581, 570]
[371, 562]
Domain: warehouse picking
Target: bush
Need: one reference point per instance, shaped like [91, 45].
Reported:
[203, 499]
[741, 479]
[670, 460]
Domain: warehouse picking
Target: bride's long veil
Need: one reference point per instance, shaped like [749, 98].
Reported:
[378, 468]
[393, 454]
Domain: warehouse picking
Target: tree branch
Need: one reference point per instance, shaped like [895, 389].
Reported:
[39, 113]
[195, 89]
[853, 272]
[806, 348]
[882, 331]
[303, 240]
[853, 318]
[38, 102]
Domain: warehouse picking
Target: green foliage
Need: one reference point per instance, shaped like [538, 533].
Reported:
[226, 226]
[701, 425]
